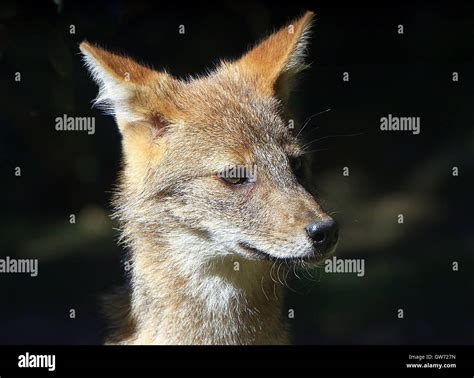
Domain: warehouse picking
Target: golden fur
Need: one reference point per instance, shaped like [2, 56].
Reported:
[190, 283]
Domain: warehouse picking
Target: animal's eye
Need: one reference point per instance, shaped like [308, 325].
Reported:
[296, 165]
[234, 180]
[238, 175]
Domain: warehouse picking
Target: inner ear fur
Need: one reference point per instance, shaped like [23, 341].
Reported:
[273, 62]
[130, 91]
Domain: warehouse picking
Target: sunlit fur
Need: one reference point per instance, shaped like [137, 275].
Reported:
[191, 282]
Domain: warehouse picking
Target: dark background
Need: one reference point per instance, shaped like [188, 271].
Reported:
[408, 266]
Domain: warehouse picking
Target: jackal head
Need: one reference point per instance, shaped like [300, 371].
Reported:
[210, 163]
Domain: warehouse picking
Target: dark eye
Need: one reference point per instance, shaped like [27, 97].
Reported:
[238, 175]
[234, 180]
[296, 164]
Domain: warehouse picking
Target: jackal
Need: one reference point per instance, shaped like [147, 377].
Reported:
[202, 241]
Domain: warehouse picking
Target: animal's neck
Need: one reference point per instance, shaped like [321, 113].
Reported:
[227, 301]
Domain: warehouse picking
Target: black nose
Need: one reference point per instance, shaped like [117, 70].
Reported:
[323, 233]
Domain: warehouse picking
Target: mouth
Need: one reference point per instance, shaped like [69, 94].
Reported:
[262, 255]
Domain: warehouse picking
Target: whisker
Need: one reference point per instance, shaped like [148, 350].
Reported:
[309, 119]
[312, 151]
[331, 136]
[261, 284]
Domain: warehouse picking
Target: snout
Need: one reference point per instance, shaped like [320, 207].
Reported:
[323, 234]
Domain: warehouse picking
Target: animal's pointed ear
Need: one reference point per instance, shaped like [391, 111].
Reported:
[130, 91]
[142, 101]
[274, 61]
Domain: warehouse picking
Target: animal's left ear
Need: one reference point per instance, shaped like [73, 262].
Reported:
[274, 61]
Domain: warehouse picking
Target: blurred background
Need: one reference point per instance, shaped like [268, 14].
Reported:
[408, 266]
